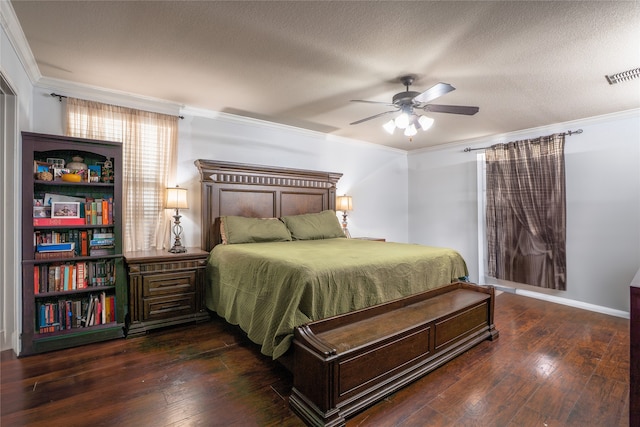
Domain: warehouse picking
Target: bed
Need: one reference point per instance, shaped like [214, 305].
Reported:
[281, 268]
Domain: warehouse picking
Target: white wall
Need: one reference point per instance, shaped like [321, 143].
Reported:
[375, 176]
[603, 204]
[14, 70]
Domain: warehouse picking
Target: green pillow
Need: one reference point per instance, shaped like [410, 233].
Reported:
[238, 229]
[323, 225]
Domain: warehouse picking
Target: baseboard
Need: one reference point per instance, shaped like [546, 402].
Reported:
[564, 301]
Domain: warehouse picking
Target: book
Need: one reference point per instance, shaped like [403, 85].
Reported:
[51, 283]
[80, 275]
[105, 212]
[103, 236]
[54, 255]
[102, 250]
[55, 247]
[101, 242]
[90, 316]
[65, 277]
[47, 222]
[101, 308]
[110, 211]
[84, 243]
[77, 314]
[94, 213]
[57, 278]
[36, 280]
[87, 212]
[98, 212]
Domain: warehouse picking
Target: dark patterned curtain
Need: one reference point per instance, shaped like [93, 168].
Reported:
[526, 212]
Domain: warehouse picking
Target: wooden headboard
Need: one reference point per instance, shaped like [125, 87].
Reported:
[259, 192]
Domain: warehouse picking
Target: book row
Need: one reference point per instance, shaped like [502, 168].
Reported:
[69, 212]
[75, 313]
[73, 276]
[52, 244]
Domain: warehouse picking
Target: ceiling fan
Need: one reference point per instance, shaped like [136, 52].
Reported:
[408, 101]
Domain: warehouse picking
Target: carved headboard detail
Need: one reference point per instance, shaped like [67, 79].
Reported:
[260, 192]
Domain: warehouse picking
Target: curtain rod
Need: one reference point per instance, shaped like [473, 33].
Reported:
[55, 95]
[569, 132]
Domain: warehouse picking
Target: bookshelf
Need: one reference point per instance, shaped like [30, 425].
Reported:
[74, 283]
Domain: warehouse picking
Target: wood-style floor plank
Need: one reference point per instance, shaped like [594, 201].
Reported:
[552, 365]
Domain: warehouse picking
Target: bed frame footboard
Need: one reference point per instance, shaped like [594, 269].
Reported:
[345, 363]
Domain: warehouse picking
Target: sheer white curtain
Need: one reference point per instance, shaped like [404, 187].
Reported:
[149, 152]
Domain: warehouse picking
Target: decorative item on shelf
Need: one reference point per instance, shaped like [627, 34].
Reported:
[344, 204]
[176, 198]
[73, 176]
[76, 164]
[107, 171]
[44, 176]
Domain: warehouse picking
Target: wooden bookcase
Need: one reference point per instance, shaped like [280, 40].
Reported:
[62, 306]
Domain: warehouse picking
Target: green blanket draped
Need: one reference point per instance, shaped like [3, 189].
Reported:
[270, 288]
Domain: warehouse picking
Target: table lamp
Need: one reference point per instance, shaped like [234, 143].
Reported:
[344, 204]
[176, 198]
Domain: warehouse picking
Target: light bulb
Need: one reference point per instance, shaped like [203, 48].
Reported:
[410, 130]
[402, 121]
[425, 122]
[390, 126]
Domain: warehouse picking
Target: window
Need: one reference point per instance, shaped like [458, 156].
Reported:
[526, 212]
[149, 152]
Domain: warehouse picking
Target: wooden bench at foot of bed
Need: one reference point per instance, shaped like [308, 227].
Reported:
[345, 363]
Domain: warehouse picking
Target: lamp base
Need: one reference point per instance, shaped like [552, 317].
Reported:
[178, 249]
[344, 225]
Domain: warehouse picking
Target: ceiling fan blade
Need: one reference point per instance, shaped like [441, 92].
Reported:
[373, 102]
[373, 117]
[434, 92]
[452, 109]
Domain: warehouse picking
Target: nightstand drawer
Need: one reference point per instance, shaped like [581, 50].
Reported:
[170, 306]
[169, 284]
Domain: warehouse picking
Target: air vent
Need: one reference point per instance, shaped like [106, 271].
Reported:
[623, 76]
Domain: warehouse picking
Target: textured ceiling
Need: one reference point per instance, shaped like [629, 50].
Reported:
[525, 64]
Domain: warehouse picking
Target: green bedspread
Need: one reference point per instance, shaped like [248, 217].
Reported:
[270, 288]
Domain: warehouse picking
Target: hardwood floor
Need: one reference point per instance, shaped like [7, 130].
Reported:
[551, 366]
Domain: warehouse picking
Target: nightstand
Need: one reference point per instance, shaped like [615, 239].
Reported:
[165, 288]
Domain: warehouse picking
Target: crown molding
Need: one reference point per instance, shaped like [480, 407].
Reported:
[12, 28]
[253, 122]
[108, 96]
[526, 133]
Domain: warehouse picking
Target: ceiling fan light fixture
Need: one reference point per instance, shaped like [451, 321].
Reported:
[390, 126]
[402, 121]
[410, 130]
[425, 122]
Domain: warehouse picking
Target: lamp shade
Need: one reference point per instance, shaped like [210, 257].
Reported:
[176, 198]
[344, 203]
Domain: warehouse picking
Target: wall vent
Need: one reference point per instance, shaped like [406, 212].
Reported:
[623, 76]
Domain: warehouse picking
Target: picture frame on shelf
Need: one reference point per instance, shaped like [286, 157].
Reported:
[39, 166]
[42, 211]
[57, 173]
[56, 163]
[65, 210]
[95, 172]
